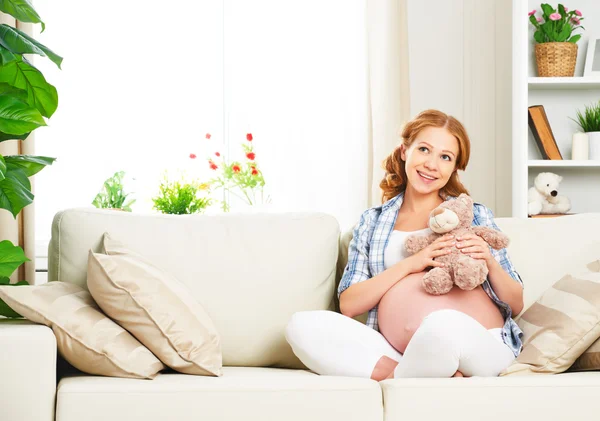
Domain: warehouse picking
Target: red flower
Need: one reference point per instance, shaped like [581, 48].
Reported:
[236, 168]
[249, 137]
[212, 165]
[193, 155]
[208, 135]
[217, 154]
[250, 156]
[254, 171]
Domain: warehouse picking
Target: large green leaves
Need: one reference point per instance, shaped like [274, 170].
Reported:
[18, 42]
[21, 10]
[11, 257]
[15, 188]
[30, 164]
[40, 94]
[16, 117]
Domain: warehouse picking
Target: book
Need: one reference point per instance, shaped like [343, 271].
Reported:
[542, 133]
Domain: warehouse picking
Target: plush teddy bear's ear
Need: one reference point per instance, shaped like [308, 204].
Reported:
[560, 178]
[465, 198]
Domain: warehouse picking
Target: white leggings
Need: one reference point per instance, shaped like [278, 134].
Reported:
[330, 343]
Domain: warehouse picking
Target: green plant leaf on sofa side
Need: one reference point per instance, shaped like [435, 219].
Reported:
[11, 257]
[21, 10]
[15, 191]
[40, 94]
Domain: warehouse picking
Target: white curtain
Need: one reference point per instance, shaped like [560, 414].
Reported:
[389, 87]
[321, 85]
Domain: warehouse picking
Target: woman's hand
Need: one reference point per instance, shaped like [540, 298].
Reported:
[474, 246]
[424, 258]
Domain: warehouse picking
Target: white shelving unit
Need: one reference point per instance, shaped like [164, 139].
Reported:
[561, 98]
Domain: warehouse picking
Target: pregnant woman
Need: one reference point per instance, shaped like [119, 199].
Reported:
[409, 332]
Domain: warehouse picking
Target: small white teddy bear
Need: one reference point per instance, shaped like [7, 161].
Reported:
[544, 198]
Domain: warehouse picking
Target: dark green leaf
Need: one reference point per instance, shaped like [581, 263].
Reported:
[547, 9]
[20, 40]
[30, 164]
[11, 39]
[16, 117]
[6, 311]
[6, 136]
[6, 56]
[11, 257]
[40, 93]
[575, 38]
[21, 10]
[2, 168]
[15, 192]
[538, 36]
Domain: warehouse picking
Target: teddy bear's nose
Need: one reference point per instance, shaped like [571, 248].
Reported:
[554, 193]
[436, 212]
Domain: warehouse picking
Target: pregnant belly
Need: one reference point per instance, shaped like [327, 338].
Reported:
[405, 305]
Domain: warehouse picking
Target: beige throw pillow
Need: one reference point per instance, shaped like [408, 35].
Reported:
[559, 326]
[156, 308]
[86, 338]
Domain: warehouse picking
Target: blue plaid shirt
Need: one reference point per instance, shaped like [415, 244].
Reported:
[366, 259]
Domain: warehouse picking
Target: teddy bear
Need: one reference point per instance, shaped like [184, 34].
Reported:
[543, 196]
[455, 217]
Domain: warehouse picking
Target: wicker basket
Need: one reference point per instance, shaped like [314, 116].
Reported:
[556, 58]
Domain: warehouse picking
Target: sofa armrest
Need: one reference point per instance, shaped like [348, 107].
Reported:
[27, 370]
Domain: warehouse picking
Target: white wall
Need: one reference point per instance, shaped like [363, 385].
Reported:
[460, 63]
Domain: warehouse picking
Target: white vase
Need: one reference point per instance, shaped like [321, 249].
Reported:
[594, 139]
[581, 147]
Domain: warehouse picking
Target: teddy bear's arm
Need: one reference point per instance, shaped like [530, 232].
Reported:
[416, 243]
[496, 239]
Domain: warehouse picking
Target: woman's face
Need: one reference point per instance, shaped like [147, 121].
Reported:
[432, 155]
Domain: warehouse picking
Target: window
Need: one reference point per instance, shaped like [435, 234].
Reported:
[142, 84]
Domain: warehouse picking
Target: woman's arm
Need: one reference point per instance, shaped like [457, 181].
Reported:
[365, 295]
[505, 287]
[502, 274]
[359, 291]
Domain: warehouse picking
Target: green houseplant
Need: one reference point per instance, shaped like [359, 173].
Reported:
[244, 180]
[556, 48]
[112, 195]
[589, 121]
[26, 98]
[179, 197]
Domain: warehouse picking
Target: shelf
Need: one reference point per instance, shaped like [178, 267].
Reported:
[561, 163]
[547, 83]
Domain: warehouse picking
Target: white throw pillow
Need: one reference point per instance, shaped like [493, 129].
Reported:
[86, 338]
[156, 308]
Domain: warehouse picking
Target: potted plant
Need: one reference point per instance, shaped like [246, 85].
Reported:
[242, 179]
[589, 122]
[179, 197]
[112, 195]
[556, 48]
[26, 98]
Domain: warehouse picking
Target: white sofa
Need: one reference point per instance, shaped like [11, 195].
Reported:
[252, 272]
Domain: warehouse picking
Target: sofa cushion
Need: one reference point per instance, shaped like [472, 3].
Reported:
[156, 308]
[545, 249]
[590, 359]
[559, 326]
[242, 393]
[250, 272]
[86, 338]
[566, 396]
